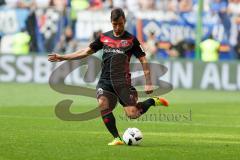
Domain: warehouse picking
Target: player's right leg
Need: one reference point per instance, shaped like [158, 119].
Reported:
[107, 102]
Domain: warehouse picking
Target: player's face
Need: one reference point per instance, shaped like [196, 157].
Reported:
[118, 26]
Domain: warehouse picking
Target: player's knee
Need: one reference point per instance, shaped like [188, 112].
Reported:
[132, 116]
[103, 102]
[132, 113]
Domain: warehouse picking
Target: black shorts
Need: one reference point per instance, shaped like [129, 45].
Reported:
[126, 94]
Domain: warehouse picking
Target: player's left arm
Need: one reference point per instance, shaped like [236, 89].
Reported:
[148, 86]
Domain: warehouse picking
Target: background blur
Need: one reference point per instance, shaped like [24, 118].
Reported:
[166, 28]
[183, 35]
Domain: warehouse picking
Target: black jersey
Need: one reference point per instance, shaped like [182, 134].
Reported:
[126, 44]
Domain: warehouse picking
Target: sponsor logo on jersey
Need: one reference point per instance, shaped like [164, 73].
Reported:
[99, 91]
[112, 50]
[124, 43]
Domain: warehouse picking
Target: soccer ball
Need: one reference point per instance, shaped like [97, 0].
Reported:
[132, 136]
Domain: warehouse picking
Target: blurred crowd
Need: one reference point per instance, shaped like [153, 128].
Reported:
[214, 6]
[67, 42]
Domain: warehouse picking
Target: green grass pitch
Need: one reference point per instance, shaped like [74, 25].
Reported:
[207, 127]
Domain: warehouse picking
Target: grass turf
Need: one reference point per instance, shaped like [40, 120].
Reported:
[197, 125]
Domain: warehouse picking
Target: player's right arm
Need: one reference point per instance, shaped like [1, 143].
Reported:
[55, 57]
[92, 48]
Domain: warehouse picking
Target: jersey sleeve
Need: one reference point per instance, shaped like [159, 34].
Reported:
[96, 44]
[137, 49]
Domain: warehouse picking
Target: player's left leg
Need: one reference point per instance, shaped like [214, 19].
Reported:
[154, 101]
[132, 112]
[133, 109]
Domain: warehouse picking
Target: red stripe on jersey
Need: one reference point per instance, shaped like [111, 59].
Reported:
[116, 43]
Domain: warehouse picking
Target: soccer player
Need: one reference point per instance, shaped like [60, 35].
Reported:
[115, 81]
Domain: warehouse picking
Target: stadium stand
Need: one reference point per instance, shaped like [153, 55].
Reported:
[166, 28]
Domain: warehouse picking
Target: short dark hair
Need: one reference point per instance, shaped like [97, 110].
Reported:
[116, 13]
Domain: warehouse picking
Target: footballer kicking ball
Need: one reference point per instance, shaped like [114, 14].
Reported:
[132, 136]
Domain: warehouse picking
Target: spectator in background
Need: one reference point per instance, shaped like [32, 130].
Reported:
[2, 2]
[234, 7]
[185, 6]
[237, 20]
[150, 46]
[180, 6]
[220, 7]
[29, 4]
[162, 5]
[77, 5]
[172, 5]
[17, 43]
[132, 5]
[42, 3]
[21, 43]
[107, 4]
[183, 49]
[11, 3]
[210, 49]
[67, 42]
[237, 47]
[163, 47]
[206, 7]
[119, 3]
[234, 13]
[60, 5]
[96, 4]
[147, 4]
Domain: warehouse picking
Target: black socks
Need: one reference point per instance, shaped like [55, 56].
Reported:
[145, 105]
[110, 123]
